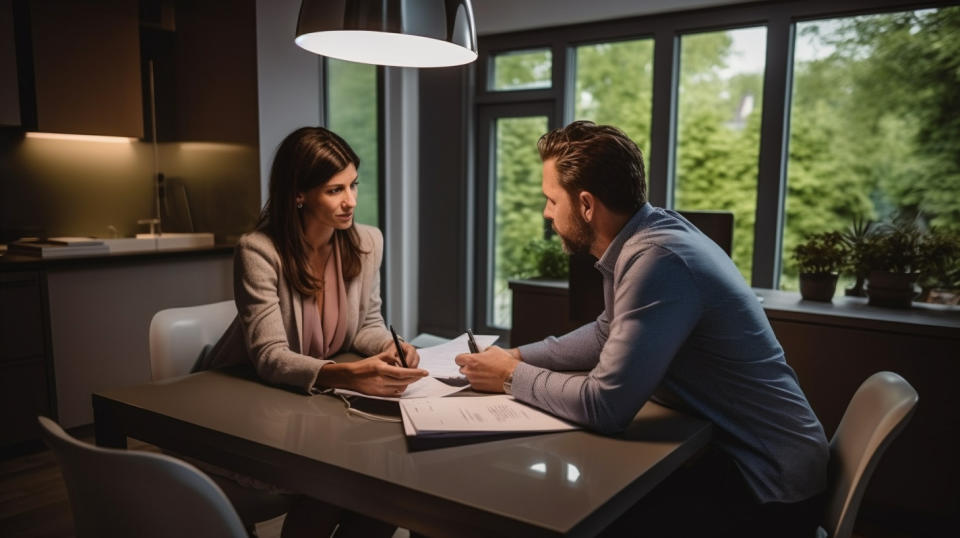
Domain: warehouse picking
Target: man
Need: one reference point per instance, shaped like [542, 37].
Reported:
[679, 325]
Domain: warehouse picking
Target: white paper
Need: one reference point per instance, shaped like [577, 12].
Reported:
[439, 359]
[424, 387]
[485, 414]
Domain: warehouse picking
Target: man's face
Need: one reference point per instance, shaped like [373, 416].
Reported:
[575, 233]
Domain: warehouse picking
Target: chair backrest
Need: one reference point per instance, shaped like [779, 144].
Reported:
[144, 494]
[717, 225]
[877, 413]
[178, 335]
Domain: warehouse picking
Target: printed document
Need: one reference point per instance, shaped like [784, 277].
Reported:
[439, 359]
[476, 415]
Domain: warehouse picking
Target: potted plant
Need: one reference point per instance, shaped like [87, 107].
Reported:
[895, 259]
[856, 238]
[940, 265]
[819, 260]
[540, 258]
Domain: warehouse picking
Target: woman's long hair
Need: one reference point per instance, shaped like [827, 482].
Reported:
[307, 158]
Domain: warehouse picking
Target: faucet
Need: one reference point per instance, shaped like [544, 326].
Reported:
[154, 225]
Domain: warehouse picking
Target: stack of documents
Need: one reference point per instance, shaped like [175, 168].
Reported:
[439, 360]
[59, 247]
[493, 414]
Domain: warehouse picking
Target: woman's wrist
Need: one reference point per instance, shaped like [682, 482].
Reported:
[333, 375]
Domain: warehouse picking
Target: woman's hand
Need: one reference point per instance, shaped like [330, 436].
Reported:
[409, 353]
[379, 375]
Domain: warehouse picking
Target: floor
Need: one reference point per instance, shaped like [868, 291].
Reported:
[34, 504]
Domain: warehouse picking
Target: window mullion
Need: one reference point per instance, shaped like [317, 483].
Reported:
[771, 180]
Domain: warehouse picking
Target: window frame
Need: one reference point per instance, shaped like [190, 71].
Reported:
[666, 29]
[484, 198]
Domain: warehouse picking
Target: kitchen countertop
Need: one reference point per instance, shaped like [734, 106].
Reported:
[19, 262]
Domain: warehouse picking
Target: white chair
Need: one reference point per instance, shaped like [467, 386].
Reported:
[178, 335]
[877, 413]
[129, 493]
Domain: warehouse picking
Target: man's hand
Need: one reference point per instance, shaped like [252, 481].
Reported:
[409, 353]
[379, 375]
[488, 369]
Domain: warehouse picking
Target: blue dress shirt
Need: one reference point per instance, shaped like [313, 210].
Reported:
[681, 325]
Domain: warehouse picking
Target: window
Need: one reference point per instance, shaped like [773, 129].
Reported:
[352, 112]
[614, 85]
[517, 206]
[854, 115]
[522, 70]
[873, 130]
[718, 129]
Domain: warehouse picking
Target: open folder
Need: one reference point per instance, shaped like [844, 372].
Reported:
[482, 415]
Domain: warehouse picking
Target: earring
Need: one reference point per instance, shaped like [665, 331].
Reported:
[299, 205]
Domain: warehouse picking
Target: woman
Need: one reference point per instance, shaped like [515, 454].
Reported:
[307, 281]
[307, 287]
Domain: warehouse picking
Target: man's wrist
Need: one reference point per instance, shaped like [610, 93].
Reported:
[508, 381]
[508, 384]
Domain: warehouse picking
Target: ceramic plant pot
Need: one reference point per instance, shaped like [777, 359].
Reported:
[818, 286]
[895, 290]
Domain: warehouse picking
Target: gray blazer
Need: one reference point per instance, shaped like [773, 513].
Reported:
[268, 330]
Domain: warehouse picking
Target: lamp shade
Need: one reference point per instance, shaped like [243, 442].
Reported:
[402, 33]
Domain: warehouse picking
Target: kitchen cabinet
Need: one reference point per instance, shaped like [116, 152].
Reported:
[25, 382]
[205, 70]
[80, 66]
[9, 92]
[72, 326]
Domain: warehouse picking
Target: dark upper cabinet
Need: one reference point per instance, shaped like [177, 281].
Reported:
[79, 66]
[204, 62]
[9, 94]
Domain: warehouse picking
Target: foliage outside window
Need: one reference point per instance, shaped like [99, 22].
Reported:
[873, 127]
[518, 207]
[614, 86]
[522, 70]
[352, 114]
[718, 132]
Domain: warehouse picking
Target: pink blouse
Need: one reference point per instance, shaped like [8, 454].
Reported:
[324, 330]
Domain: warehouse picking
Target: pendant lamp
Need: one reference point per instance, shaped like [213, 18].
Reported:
[401, 33]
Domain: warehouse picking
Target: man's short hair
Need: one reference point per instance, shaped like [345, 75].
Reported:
[599, 159]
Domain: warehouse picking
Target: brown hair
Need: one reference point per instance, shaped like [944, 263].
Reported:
[599, 159]
[307, 158]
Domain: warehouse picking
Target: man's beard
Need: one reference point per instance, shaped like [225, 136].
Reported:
[581, 236]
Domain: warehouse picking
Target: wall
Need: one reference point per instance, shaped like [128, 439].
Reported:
[289, 81]
[78, 187]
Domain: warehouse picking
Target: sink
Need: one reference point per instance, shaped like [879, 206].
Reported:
[151, 242]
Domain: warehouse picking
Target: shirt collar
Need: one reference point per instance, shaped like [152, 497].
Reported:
[608, 261]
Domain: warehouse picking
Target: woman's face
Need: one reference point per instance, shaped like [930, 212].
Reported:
[332, 203]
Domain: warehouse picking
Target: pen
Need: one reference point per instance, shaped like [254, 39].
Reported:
[396, 342]
[472, 343]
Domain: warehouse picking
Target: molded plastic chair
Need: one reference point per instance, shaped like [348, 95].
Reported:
[129, 493]
[179, 335]
[877, 413]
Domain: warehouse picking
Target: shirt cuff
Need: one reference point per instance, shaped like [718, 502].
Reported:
[524, 375]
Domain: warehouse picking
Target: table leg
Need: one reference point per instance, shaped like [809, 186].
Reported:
[107, 427]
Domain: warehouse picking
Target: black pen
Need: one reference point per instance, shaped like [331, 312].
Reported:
[396, 342]
[472, 343]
